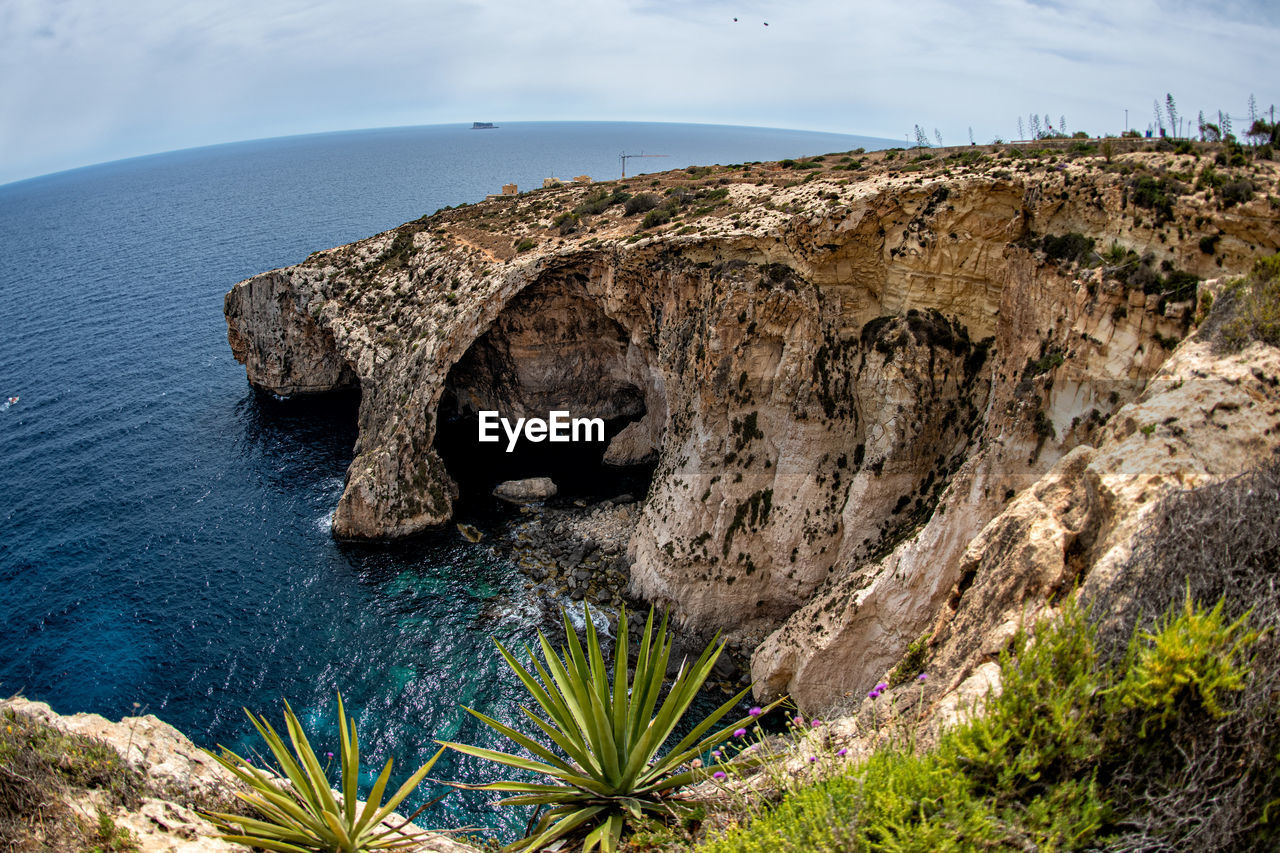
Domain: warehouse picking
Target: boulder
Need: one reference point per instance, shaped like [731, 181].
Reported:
[526, 491]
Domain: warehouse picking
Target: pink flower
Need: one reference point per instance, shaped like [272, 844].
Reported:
[799, 721]
[842, 752]
[739, 732]
[817, 723]
[812, 759]
[922, 677]
[719, 774]
[882, 687]
[755, 712]
[874, 694]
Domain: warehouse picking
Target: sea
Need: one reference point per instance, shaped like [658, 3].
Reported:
[165, 543]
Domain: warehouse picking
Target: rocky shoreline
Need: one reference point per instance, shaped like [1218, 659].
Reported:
[577, 552]
[574, 552]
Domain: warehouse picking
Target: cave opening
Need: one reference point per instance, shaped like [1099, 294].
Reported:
[552, 349]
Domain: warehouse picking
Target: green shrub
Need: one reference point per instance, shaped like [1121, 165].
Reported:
[401, 250]
[641, 203]
[1209, 243]
[1201, 782]
[1051, 359]
[657, 216]
[1178, 286]
[1187, 665]
[595, 203]
[1236, 192]
[912, 663]
[108, 837]
[302, 813]
[566, 223]
[1250, 307]
[1154, 194]
[1073, 247]
[1047, 765]
[1021, 776]
[524, 244]
[608, 772]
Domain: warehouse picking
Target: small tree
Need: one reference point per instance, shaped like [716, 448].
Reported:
[937, 134]
[922, 138]
[1172, 109]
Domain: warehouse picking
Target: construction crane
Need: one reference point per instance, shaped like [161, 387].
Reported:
[625, 157]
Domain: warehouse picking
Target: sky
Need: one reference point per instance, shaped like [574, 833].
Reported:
[83, 81]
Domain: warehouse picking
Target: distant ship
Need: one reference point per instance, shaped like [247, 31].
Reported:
[483, 125]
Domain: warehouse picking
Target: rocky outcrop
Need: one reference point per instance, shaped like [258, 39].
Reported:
[179, 780]
[841, 379]
[288, 352]
[526, 491]
[1204, 418]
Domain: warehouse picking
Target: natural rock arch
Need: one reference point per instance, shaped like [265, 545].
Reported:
[553, 347]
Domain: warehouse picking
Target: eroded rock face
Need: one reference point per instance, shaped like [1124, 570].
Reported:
[1202, 419]
[288, 352]
[553, 348]
[841, 382]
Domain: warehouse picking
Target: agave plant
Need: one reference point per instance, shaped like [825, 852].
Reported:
[607, 771]
[298, 810]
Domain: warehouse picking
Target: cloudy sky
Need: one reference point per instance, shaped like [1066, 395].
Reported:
[83, 81]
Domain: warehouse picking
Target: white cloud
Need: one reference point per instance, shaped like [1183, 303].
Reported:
[82, 82]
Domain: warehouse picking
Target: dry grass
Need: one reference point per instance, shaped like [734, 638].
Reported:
[1219, 542]
[42, 770]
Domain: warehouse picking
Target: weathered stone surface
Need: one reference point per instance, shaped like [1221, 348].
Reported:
[162, 752]
[526, 491]
[288, 353]
[636, 444]
[1202, 419]
[177, 772]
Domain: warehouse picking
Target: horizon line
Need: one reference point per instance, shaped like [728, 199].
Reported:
[466, 124]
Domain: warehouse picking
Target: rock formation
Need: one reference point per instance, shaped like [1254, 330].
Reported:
[843, 370]
[526, 491]
[180, 780]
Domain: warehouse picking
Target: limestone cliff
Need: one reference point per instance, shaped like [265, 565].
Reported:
[843, 368]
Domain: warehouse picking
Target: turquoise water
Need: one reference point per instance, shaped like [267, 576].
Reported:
[164, 539]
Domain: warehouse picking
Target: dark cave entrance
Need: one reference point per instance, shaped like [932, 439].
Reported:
[551, 349]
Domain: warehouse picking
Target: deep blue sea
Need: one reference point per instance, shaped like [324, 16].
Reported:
[164, 535]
